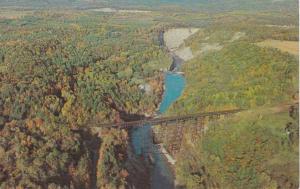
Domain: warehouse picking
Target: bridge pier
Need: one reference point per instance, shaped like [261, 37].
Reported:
[179, 136]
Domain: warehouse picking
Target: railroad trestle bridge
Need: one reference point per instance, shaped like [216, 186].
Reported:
[170, 130]
[164, 121]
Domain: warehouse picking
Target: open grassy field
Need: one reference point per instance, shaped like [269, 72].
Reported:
[291, 47]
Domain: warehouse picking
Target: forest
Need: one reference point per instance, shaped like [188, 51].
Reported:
[61, 71]
[259, 147]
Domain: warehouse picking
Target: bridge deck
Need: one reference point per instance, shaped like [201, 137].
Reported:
[160, 120]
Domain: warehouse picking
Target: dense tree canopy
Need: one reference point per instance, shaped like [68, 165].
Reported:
[256, 148]
[60, 72]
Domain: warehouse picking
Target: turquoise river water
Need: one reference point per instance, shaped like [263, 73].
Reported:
[161, 175]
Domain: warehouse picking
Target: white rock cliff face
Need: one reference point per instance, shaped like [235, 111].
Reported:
[174, 39]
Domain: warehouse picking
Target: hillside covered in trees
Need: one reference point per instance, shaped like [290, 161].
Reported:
[257, 148]
[60, 71]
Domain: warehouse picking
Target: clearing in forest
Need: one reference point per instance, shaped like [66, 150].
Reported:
[286, 46]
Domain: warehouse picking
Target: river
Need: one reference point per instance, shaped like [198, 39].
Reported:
[141, 138]
[161, 174]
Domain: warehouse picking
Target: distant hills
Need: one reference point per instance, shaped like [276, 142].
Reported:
[203, 5]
